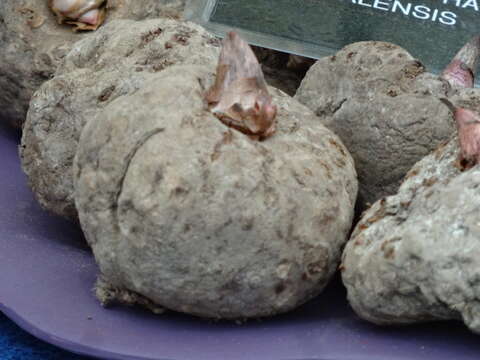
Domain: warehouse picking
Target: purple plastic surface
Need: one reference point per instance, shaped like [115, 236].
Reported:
[46, 276]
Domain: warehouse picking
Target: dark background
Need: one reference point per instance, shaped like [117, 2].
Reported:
[336, 23]
[15, 344]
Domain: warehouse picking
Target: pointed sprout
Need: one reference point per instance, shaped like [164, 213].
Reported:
[460, 73]
[239, 97]
[468, 126]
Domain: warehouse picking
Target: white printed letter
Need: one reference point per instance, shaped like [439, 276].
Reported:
[381, 5]
[471, 3]
[360, 2]
[398, 4]
[448, 18]
[421, 12]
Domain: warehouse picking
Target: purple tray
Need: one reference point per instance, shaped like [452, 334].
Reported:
[47, 273]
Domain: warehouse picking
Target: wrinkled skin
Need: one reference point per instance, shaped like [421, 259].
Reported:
[460, 73]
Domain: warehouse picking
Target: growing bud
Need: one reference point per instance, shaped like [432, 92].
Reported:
[239, 96]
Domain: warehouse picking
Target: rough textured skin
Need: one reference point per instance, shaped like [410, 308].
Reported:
[390, 136]
[32, 45]
[112, 62]
[414, 256]
[384, 106]
[199, 218]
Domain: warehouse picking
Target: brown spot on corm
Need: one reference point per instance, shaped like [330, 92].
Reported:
[358, 242]
[179, 191]
[247, 224]
[181, 38]
[388, 249]
[413, 69]
[428, 194]
[384, 45]
[162, 65]
[106, 93]
[326, 219]
[411, 173]
[392, 93]
[379, 214]
[340, 162]
[134, 229]
[226, 139]
[338, 146]
[463, 164]
[362, 227]
[351, 54]
[429, 182]
[298, 178]
[150, 36]
[294, 128]
[382, 247]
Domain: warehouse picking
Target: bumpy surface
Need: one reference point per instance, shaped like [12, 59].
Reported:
[201, 219]
[414, 256]
[32, 44]
[384, 106]
[112, 62]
